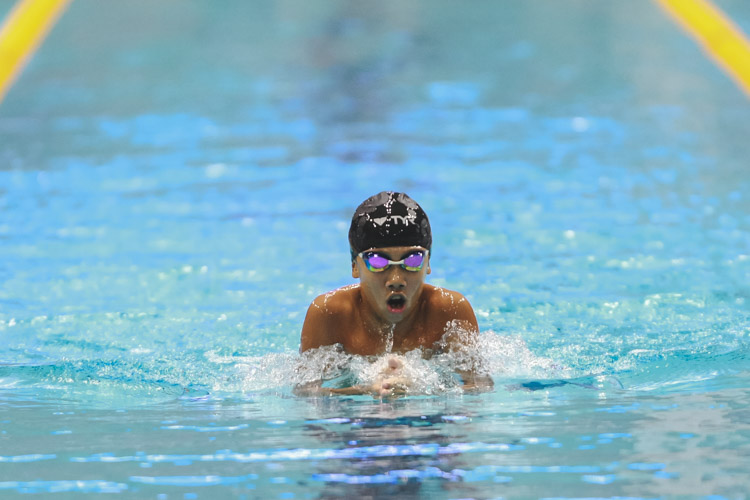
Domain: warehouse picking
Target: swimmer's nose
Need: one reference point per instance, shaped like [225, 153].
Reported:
[396, 279]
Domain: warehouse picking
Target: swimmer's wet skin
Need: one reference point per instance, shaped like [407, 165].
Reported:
[392, 309]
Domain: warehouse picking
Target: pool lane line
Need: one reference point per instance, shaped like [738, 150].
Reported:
[24, 28]
[721, 38]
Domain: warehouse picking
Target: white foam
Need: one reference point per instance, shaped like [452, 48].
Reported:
[499, 356]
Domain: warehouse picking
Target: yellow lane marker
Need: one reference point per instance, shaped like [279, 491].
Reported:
[719, 36]
[21, 33]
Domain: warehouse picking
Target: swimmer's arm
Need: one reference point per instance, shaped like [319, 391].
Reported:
[318, 326]
[474, 382]
[312, 389]
[317, 389]
[315, 333]
[462, 333]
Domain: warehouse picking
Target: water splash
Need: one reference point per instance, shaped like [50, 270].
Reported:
[389, 339]
[426, 373]
[138, 378]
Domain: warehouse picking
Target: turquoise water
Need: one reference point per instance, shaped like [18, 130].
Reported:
[176, 181]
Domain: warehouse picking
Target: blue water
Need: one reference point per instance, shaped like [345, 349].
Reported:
[176, 183]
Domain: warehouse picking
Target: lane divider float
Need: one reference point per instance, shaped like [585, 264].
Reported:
[21, 34]
[721, 38]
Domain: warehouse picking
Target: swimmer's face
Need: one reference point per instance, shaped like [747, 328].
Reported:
[394, 292]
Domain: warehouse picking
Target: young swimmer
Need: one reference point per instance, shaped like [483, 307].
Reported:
[392, 309]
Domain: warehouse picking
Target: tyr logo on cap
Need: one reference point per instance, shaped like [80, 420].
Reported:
[397, 219]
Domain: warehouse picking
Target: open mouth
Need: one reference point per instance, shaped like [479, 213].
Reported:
[396, 303]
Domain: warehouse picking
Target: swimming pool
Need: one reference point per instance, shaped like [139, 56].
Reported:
[176, 184]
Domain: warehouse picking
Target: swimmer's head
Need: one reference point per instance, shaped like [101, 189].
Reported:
[389, 219]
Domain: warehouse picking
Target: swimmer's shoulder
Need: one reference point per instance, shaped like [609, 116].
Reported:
[441, 299]
[336, 302]
[328, 316]
[453, 318]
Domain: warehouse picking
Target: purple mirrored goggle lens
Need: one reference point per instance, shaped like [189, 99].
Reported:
[414, 261]
[376, 262]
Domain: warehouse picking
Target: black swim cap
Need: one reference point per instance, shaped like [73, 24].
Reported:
[389, 219]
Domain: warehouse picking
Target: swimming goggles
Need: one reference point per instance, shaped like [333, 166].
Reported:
[378, 263]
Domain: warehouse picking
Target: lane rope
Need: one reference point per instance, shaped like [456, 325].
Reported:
[721, 38]
[23, 31]
[30, 20]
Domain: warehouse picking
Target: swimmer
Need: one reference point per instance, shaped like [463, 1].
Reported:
[391, 309]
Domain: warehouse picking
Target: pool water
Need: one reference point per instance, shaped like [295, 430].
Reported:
[176, 184]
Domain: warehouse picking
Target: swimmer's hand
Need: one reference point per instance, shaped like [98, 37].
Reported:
[389, 383]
